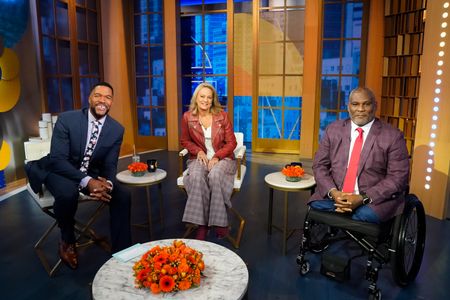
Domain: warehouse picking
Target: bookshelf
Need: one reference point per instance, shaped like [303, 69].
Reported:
[404, 25]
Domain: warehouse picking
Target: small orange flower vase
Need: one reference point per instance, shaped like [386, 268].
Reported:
[138, 174]
[293, 178]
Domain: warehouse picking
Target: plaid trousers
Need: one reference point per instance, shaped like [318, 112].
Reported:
[209, 192]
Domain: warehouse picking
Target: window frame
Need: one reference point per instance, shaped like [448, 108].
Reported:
[143, 141]
[342, 39]
[74, 43]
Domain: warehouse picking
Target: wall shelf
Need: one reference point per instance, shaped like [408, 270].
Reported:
[403, 46]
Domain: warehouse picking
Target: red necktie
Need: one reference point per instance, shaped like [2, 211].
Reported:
[352, 169]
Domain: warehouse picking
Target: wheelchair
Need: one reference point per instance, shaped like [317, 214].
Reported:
[399, 242]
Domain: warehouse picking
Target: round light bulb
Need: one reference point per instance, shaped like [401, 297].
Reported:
[443, 34]
[439, 72]
[434, 117]
[427, 178]
[440, 63]
[433, 135]
[438, 81]
[427, 186]
[434, 126]
[437, 91]
[436, 108]
[432, 144]
[441, 53]
[431, 152]
[446, 5]
[444, 25]
[430, 161]
[436, 99]
[429, 170]
[445, 15]
[441, 44]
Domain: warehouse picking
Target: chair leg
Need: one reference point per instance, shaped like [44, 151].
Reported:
[236, 240]
[190, 228]
[85, 230]
[82, 231]
[40, 253]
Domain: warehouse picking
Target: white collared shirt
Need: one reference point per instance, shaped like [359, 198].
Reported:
[354, 135]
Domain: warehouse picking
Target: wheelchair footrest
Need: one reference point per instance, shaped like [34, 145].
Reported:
[335, 267]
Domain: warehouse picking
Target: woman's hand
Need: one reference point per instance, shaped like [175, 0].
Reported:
[212, 163]
[201, 157]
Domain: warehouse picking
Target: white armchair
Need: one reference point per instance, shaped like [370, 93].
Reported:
[45, 200]
[239, 153]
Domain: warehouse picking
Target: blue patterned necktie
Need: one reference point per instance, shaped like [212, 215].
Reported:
[90, 147]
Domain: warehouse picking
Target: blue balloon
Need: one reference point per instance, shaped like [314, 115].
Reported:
[13, 20]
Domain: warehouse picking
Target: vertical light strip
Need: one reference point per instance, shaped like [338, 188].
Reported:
[437, 92]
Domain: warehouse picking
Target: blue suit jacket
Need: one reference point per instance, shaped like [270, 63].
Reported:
[67, 150]
[383, 170]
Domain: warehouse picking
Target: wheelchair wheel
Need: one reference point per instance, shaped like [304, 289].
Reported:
[375, 296]
[410, 242]
[305, 267]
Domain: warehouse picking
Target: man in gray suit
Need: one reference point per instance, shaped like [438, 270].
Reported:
[380, 165]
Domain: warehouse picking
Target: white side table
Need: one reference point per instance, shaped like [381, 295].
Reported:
[278, 181]
[147, 180]
[226, 276]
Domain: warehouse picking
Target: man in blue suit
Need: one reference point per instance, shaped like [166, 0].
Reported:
[81, 160]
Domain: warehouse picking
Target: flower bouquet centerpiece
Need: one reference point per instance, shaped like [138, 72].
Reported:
[169, 269]
[137, 168]
[293, 172]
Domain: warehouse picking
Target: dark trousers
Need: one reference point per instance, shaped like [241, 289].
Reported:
[65, 192]
[363, 213]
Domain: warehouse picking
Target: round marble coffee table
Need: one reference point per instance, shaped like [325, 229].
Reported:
[278, 181]
[226, 276]
[147, 180]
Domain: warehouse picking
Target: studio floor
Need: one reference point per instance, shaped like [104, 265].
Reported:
[271, 274]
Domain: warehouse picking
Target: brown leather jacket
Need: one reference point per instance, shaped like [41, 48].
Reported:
[222, 135]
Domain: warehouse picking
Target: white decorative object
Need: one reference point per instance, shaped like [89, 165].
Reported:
[47, 117]
[43, 133]
[49, 130]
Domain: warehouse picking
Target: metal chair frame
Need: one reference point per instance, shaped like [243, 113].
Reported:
[84, 234]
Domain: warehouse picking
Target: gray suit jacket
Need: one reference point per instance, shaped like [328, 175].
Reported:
[383, 170]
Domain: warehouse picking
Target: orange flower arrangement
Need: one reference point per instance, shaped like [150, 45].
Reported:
[137, 167]
[293, 171]
[169, 269]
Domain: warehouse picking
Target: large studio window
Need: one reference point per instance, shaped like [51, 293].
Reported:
[70, 51]
[149, 67]
[343, 40]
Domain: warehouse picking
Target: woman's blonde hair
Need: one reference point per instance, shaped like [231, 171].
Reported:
[215, 105]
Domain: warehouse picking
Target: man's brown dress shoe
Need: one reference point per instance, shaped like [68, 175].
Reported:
[68, 254]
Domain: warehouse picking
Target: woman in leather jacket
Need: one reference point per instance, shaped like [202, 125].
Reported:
[207, 133]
